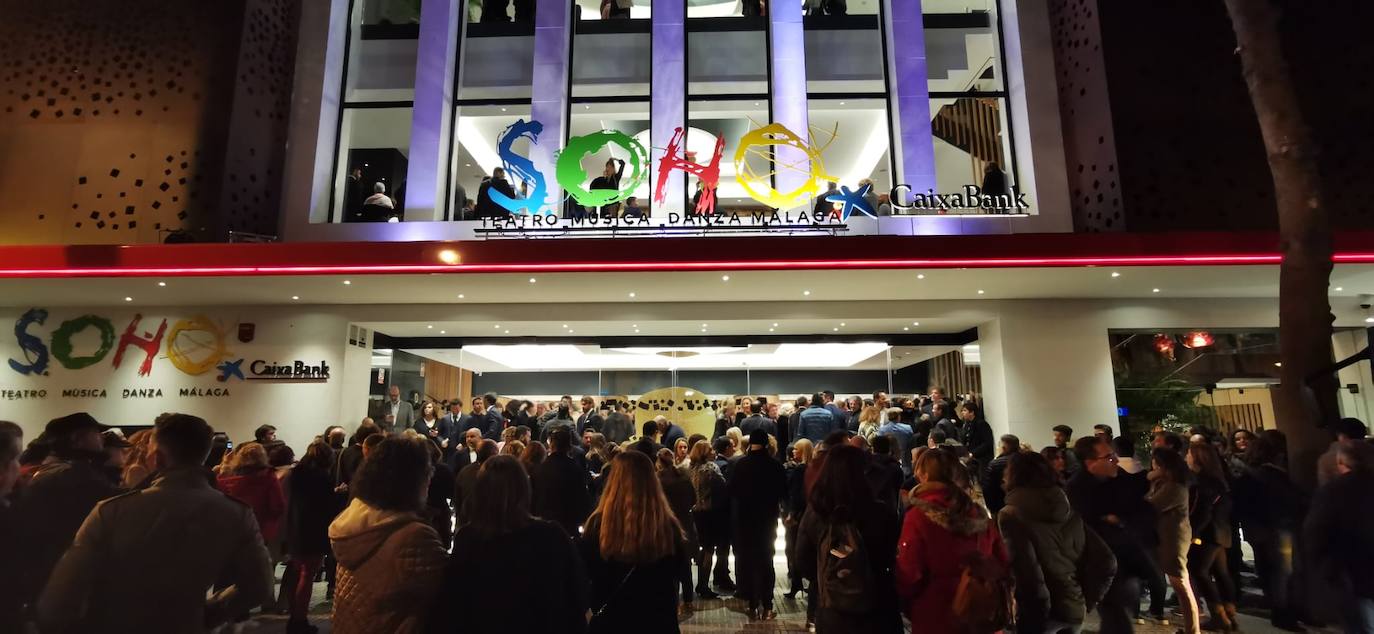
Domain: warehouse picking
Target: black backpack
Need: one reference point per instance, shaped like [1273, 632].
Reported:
[842, 569]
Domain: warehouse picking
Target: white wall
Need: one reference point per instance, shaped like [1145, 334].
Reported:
[299, 410]
[1047, 366]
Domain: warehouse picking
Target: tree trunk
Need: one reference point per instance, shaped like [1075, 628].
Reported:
[1305, 318]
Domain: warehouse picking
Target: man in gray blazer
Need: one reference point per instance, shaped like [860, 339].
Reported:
[397, 415]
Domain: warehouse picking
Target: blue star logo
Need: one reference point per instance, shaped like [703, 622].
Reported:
[851, 201]
[230, 369]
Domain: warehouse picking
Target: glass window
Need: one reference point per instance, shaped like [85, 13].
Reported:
[496, 68]
[629, 118]
[370, 176]
[478, 130]
[595, 10]
[390, 12]
[729, 120]
[495, 12]
[729, 62]
[971, 139]
[611, 64]
[855, 136]
[962, 47]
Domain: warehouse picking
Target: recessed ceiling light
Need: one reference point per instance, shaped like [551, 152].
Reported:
[295, 297]
[431, 326]
[503, 110]
[587, 107]
[507, 332]
[725, 278]
[980, 291]
[128, 299]
[1369, 320]
[634, 325]
[703, 325]
[532, 280]
[1278, 364]
[775, 324]
[347, 282]
[632, 294]
[915, 323]
[842, 324]
[636, 330]
[570, 332]
[467, 165]
[565, 325]
[771, 329]
[1115, 274]
[920, 276]
[703, 330]
[1154, 290]
[906, 328]
[443, 332]
[496, 326]
[460, 296]
[164, 284]
[806, 292]
[835, 329]
[1339, 289]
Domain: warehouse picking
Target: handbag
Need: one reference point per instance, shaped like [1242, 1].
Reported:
[592, 626]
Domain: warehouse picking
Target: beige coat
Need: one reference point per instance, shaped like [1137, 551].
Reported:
[143, 562]
[390, 566]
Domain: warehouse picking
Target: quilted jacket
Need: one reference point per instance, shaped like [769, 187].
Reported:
[390, 565]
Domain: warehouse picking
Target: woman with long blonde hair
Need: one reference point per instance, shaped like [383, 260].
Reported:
[869, 419]
[138, 464]
[634, 550]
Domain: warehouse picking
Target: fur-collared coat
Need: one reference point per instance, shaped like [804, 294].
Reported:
[934, 542]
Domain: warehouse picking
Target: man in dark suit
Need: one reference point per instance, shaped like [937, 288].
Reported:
[452, 425]
[589, 418]
[668, 433]
[648, 440]
[465, 452]
[488, 208]
[757, 487]
[494, 421]
[559, 486]
[757, 421]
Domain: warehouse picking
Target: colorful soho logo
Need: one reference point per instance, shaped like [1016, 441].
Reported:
[570, 175]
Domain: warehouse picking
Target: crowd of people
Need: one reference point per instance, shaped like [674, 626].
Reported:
[893, 509]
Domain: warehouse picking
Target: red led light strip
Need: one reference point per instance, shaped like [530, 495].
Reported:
[725, 265]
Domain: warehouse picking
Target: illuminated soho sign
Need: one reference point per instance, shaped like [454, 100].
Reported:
[570, 175]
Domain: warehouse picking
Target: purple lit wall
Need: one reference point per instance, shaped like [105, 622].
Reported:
[787, 49]
[549, 94]
[432, 123]
[667, 106]
[911, 95]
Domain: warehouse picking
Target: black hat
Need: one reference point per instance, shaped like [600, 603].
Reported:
[60, 427]
[758, 437]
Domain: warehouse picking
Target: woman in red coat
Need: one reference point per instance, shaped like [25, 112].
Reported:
[942, 527]
[249, 479]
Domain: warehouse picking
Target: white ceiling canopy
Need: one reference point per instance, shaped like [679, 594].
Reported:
[759, 356]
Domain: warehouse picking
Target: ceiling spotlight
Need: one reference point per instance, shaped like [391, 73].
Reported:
[570, 332]
[771, 329]
[508, 332]
[503, 110]
[703, 330]
[164, 284]
[1369, 320]
[295, 297]
[632, 294]
[835, 329]
[725, 278]
[842, 324]
[703, 325]
[443, 332]
[128, 299]
[915, 323]
[806, 292]
[906, 327]
[565, 325]
[775, 324]
[1154, 290]
[496, 326]
[920, 276]
[431, 326]
[980, 291]
[460, 296]
[1115, 274]
[532, 280]
[346, 282]
[1339, 289]
[448, 256]
[1278, 364]
[636, 330]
